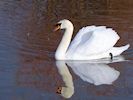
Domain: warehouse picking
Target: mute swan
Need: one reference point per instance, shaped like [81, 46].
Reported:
[91, 42]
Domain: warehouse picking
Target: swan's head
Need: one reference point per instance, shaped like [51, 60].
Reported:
[66, 92]
[63, 24]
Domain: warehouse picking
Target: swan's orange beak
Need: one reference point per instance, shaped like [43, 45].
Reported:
[57, 27]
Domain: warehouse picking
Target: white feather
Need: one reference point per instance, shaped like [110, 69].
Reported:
[91, 42]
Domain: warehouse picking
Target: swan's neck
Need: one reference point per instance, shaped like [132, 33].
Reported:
[63, 46]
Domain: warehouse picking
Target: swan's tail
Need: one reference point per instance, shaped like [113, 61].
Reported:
[118, 50]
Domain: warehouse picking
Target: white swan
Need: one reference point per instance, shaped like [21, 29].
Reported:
[91, 42]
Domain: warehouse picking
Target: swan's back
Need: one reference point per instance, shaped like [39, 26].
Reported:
[92, 40]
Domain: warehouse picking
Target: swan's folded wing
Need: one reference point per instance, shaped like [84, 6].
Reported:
[93, 40]
[77, 39]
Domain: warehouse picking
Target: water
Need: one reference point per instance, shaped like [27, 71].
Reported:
[28, 70]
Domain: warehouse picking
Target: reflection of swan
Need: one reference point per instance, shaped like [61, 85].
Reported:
[95, 73]
[91, 42]
[68, 90]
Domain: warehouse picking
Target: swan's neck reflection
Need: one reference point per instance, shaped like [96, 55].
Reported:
[68, 90]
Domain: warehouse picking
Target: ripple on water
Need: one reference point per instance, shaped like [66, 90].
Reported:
[27, 46]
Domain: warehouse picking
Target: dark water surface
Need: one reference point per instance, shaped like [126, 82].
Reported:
[28, 70]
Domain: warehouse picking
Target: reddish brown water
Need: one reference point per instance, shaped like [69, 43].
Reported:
[27, 46]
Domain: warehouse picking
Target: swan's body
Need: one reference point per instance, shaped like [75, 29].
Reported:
[91, 42]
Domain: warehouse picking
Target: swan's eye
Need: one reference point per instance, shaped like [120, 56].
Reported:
[57, 27]
[58, 24]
